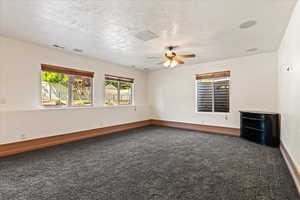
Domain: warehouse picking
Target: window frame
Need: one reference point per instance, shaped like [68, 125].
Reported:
[69, 104]
[71, 95]
[118, 89]
[213, 97]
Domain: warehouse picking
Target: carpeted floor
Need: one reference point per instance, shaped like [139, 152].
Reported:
[149, 163]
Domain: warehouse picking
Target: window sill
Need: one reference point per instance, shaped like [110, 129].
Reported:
[83, 107]
[64, 107]
[211, 113]
[118, 106]
[55, 108]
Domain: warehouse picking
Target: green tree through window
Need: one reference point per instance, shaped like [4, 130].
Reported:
[65, 89]
[54, 88]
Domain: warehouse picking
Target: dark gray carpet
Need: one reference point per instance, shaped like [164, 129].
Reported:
[149, 163]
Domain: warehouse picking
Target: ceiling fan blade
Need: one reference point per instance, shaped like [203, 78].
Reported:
[154, 57]
[187, 56]
[179, 61]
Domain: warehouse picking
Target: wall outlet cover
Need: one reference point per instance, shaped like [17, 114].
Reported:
[2, 101]
[23, 136]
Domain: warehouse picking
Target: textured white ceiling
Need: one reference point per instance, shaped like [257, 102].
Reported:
[105, 28]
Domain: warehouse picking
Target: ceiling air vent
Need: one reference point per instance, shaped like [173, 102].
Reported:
[78, 50]
[58, 46]
[248, 24]
[252, 50]
[146, 35]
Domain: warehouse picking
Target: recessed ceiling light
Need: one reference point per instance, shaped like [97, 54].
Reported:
[248, 24]
[146, 35]
[252, 50]
[78, 50]
[58, 46]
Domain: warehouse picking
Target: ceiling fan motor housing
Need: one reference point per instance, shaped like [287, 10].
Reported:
[170, 54]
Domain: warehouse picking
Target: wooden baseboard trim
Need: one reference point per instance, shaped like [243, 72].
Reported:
[29, 145]
[198, 127]
[19, 147]
[291, 165]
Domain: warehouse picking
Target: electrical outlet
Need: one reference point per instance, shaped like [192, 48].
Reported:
[23, 136]
[226, 117]
[2, 101]
[289, 68]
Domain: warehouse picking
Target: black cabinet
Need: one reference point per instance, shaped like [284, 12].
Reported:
[261, 127]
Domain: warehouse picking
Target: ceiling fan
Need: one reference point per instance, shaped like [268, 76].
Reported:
[173, 59]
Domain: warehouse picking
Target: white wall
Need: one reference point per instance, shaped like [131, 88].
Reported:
[253, 87]
[171, 93]
[20, 65]
[1, 92]
[289, 82]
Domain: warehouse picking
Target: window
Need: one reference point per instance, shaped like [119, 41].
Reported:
[54, 88]
[81, 90]
[66, 87]
[118, 90]
[213, 92]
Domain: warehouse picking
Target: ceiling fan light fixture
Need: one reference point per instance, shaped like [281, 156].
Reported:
[173, 63]
[167, 63]
[172, 59]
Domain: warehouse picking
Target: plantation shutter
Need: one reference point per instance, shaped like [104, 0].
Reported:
[213, 92]
[221, 96]
[204, 97]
